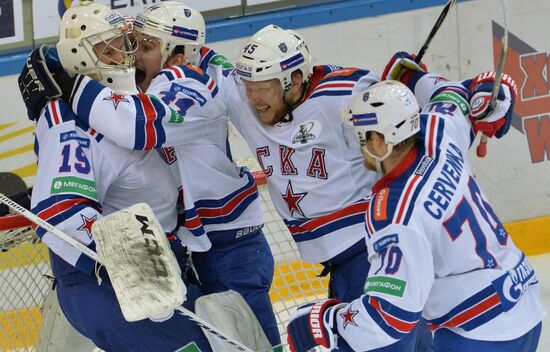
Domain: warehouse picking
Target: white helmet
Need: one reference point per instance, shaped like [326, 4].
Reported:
[274, 52]
[387, 107]
[82, 27]
[174, 24]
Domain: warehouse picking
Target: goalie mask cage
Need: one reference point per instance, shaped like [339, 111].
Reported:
[24, 267]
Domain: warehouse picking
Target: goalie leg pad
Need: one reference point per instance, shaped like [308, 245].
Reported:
[94, 311]
[229, 312]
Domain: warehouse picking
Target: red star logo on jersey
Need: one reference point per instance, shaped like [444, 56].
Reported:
[116, 99]
[87, 224]
[349, 317]
[292, 199]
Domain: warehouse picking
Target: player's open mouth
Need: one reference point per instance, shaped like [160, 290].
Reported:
[262, 108]
[140, 76]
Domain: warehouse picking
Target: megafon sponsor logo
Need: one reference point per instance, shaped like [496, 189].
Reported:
[530, 68]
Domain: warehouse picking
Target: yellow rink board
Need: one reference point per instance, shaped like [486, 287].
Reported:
[291, 279]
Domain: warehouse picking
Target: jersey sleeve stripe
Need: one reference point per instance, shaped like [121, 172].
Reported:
[368, 220]
[396, 324]
[303, 230]
[193, 223]
[48, 116]
[55, 112]
[150, 133]
[476, 305]
[406, 198]
[229, 208]
[57, 209]
[175, 71]
[333, 89]
[87, 98]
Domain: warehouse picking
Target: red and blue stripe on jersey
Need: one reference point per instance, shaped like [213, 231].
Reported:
[58, 112]
[334, 82]
[404, 183]
[471, 313]
[174, 73]
[221, 211]
[394, 321]
[57, 209]
[205, 54]
[149, 132]
[308, 229]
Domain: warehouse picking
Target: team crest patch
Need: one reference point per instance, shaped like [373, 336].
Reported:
[283, 47]
[349, 317]
[306, 132]
[187, 12]
[117, 99]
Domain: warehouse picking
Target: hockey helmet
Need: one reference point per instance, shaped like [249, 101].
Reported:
[272, 53]
[174, 24]
[387, 107]
[92, 32]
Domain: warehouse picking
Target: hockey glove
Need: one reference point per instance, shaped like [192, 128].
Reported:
[400, 63]
[42, 79]
[492, 120]
[312, 325]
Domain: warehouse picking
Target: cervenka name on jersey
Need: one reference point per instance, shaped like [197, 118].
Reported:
[447, 181]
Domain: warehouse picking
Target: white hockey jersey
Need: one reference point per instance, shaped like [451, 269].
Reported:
[82, 176]
[436, 247]
[218, 194]
[313, 163]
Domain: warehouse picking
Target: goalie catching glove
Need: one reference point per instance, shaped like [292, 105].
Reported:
[43, 79]
[401, 63]
[312, 325]
[491, 120]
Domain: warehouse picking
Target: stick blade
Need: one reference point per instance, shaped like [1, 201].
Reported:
[142, 267]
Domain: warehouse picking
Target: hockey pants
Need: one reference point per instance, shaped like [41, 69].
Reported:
[244, 265]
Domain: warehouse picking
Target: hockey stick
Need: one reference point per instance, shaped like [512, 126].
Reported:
[94, 256]
[481, 149]
[47, 226]
[434, 30]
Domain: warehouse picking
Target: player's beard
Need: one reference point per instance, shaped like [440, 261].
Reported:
[368, 161]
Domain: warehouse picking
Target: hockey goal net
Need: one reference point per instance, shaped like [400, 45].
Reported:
[24, 268]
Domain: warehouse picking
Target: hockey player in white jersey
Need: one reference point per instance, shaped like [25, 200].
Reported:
[222, 206]
[82, 176]
[288, 111]
[473, 285]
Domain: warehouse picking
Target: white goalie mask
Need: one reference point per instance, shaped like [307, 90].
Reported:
[98, 42]
[174, 24]
[274, 52]
[387, 107]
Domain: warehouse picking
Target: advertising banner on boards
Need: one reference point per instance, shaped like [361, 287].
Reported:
[47, 13]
